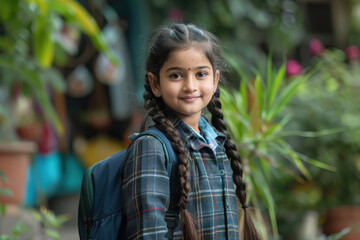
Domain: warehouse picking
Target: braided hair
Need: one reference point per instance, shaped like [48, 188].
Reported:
[163, 42]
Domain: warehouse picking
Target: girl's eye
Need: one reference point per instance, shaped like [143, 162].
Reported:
[201, 74]
[175, 76]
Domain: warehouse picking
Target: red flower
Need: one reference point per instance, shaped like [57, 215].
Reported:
[316, 47]
[353, 52]
[176, 15]
[293, 68]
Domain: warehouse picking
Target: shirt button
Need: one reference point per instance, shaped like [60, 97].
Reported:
[222, 172]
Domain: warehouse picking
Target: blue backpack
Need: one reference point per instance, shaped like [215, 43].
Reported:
[100, 214]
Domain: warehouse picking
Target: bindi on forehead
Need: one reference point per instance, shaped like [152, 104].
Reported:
[189, 69]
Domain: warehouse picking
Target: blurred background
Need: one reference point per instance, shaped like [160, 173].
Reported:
[71, 84]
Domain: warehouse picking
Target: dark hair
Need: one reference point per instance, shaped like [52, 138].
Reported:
[163, 42]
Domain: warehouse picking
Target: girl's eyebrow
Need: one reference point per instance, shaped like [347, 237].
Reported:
[180, 68]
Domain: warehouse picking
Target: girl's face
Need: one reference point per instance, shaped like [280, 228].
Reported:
[186, 83]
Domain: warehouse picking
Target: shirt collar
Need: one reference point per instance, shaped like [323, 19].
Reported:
[210, 135]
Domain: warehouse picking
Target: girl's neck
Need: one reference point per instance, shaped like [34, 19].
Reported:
[192, 122]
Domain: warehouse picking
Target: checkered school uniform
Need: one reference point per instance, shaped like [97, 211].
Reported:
[212, 200]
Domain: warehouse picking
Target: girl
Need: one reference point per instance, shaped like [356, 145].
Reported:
[183, 71]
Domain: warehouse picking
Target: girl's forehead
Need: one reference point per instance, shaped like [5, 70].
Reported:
[187, 58]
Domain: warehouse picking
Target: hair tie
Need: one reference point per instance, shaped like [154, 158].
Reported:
[244, 206]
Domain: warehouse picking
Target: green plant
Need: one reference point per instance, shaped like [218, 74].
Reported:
[337, 236]
[47, 219]
[253, 116]
[19, 228]
[3, 191]
[329, 101]
[31, 51]
[50, 223]
[16, 232]
[326, 103]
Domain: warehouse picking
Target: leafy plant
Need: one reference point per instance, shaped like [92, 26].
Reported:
[48, 220]
[50, 223]
[337, 236]
[328, 101]
[252, 114]
[19, 229]
[30, 48]
[4, 191]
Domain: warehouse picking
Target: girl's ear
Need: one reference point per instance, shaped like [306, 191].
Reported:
[216, 79]
[154, 83]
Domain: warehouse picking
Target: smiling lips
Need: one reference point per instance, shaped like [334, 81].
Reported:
[189, 98]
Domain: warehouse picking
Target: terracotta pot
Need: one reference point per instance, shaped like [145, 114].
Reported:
[338, 218]
[30, 132]
[14, 161]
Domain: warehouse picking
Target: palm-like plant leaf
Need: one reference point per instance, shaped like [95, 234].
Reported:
[252, 116]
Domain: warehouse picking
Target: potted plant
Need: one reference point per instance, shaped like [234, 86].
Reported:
[31, 49]
[329, 101]
[253, 116]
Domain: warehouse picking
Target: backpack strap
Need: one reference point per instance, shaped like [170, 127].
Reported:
[86, 204]
[170, 155]
[172, 214]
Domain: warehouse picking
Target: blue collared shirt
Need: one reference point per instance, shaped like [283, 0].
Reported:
[211, 201]
[209, 135]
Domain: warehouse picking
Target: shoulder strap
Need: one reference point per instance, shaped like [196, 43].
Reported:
[86, 204]
[172, 214]
[169, 151]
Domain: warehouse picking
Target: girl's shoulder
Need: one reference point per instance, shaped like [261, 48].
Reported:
[146, 146]
[145, 154]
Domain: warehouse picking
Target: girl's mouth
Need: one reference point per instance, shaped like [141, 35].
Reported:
[189, 98]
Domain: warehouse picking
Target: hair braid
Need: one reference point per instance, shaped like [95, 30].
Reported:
[217, 121]
[154, 106]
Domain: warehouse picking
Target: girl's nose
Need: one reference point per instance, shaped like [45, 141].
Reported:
[189, 84]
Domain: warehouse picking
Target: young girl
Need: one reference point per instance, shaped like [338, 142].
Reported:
[183, 71]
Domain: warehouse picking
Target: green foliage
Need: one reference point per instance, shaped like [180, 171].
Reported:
[329, 101]
[252, 114]
[19, 229]
[339, 235]
[47, 219]
[3, 192]
[49, 222]
[28, 42]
